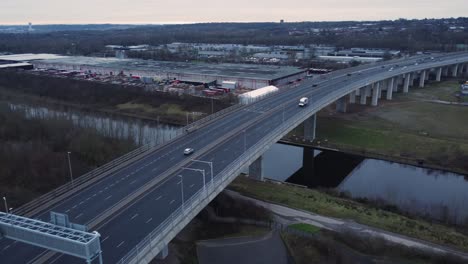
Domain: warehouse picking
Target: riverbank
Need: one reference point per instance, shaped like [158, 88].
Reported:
[108, 98]
[328, 205]
[408, 129]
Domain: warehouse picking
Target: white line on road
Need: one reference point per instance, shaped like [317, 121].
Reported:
[149, 220]
[172, 201]
[108, 197]
[132, 182]
[5, 248]
[121, 243]
[68, 210]
[104, 239]
[192, 185]
[171, 159]
[159, 198]
[74, 207]
[76, 217]
[133, 217]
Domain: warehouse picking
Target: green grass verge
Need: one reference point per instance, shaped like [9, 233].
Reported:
[305, 227]
[324, 204]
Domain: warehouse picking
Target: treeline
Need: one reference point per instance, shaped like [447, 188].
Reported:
[101, 95]
[33, 153]
[409, 35]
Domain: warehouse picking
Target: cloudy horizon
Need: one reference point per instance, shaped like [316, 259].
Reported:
[20, 12]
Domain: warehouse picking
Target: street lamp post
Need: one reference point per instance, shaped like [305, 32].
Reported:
[6, 204]
[211, 168]
[182, 189]
[70, 168]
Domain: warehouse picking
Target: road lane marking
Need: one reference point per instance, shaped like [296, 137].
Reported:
[104, 239]
[78, 216]
[192, 185]
[68, 210]
[133, 217]
[5, 248]
[108, 197]
[132, 182]
[172, 201]
[121, 243]
[74, 207]
[159, 198]
[149, 220]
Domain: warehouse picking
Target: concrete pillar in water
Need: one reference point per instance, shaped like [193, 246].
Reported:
[352, 97]
[390, 89]
[406, 84]
[309, 128]
[341, 105]
[255, 169]
[375, 94]
[422, 78]
[438, 74]
[163, 254]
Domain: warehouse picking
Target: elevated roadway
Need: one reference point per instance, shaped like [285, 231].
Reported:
[127, 204]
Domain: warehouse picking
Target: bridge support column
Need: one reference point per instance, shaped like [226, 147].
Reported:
[341, 105]
[422, 78]
[412, 77]
[375, 94]
[407, 82]
[363, 96]
[352, 97]
[445, 71]
[438, 74]
[309, 128]
[381, 86]
[163, 254]
[358, 92]
[454, 70]
[255, 169]
[390, 89]
[396, 83]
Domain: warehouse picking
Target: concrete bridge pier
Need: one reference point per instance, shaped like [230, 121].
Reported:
[363, 95]
[412, 77]
[445, 71]
[352, 97]
[163, 253]
[375, 94]
[407, 82]
[255, 169]
[390, 88]
[438, 74]
[422, 78]
[341, 105]
[309, 127]
[454, 70]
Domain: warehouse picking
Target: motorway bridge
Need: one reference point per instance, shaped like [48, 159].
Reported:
[139, 202]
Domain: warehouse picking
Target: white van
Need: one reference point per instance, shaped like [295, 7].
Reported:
[303, 101]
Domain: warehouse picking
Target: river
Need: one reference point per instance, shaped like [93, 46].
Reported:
[432, 193]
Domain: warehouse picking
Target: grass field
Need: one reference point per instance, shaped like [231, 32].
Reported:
[406, 127]
[328, 205]
[305, 227]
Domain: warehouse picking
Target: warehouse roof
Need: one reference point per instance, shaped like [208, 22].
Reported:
[29, 57]
[266, 72]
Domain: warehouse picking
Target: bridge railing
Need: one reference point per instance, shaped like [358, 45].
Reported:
[154, 242]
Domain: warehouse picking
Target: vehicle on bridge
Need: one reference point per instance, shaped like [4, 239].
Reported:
[303, 101]
[188, 151]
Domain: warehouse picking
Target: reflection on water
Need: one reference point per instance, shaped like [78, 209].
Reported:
[141, 132]
[438, 194]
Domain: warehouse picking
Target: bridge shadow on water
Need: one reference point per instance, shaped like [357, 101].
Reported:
[327, 169]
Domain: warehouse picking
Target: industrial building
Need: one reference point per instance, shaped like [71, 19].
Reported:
[245, 75]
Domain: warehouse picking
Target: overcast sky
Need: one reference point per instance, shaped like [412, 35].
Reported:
[186, 11]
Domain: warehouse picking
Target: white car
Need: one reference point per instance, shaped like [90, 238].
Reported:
[188, 151]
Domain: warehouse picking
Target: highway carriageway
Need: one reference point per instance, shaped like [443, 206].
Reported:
[126, 228]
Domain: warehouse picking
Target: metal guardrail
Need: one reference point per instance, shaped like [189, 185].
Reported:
[233, 170]
[153, 241]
